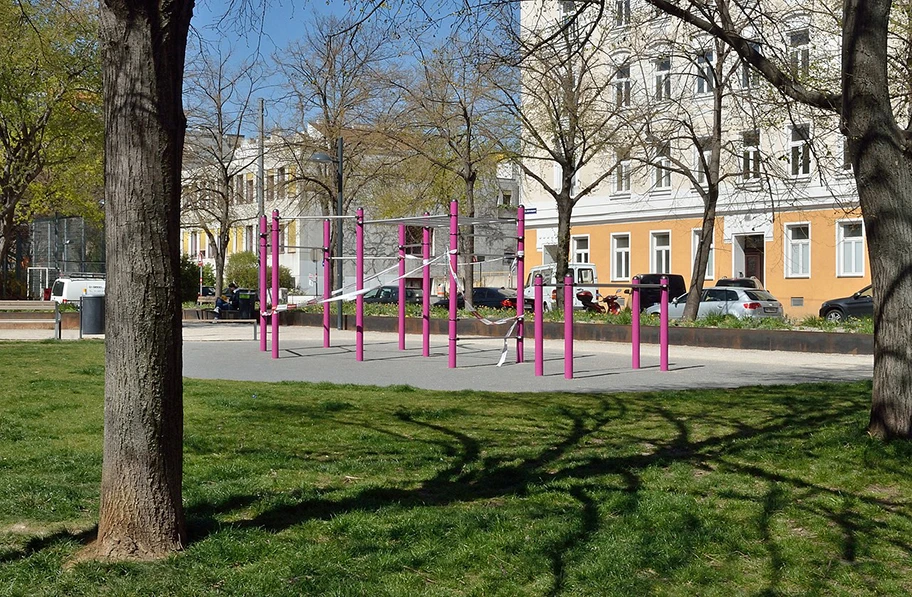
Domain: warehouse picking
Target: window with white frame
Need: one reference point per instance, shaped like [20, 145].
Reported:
[750, 155]
[559, 179]
[580, 249]
[620, 256]
[850, 241]
[622, 172]
[702, 156]
[706, 77]
[249, 239]
[800, 53]
[662, 163]
[621, 12]
[663, 78]
[800, 150]
[660, 252]
[798, 250]
[622, 86]
[710, 261]
[750, 77]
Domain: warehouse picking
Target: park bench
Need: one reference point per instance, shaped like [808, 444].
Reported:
[31, 315]
[234, 316]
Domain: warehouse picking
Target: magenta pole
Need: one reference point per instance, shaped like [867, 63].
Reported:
[274, 318]
[327, 282]
[539, 328]
[520, 281]
[635, 321]
[663, 327]
[401, 286]
[263, 261]
[426, 290]
[568, 327]
[359, 285]
[454, 234]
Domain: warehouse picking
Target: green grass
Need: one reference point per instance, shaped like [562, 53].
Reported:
[317, 489]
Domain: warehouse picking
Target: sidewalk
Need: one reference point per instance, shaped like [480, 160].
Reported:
[229, 352]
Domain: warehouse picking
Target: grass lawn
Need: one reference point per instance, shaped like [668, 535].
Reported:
[316, 489]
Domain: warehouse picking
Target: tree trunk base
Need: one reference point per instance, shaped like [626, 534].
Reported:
[118, 551]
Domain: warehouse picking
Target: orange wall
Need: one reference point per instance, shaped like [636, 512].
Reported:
[822, 284]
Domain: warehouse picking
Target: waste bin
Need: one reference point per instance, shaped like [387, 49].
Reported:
[92, 314]
[246, 300]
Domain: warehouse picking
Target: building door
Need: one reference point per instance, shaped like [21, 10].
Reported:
[753, 256]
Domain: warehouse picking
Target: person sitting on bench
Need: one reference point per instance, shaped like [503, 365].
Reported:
[228, 301]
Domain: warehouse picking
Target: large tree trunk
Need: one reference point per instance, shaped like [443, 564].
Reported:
[141, 515]
[883, 172]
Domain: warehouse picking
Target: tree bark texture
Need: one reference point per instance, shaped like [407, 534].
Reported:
[883, 171]
[143, 44]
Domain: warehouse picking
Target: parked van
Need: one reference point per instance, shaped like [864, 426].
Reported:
[652, 296]
[69, 289]
[585, 277]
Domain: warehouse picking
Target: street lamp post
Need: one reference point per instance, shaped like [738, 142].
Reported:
[337, 162]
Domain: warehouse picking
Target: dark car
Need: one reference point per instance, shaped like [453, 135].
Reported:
[486, 296]
[652, 296]
[860, 304]
[387, 295]
[740, 283]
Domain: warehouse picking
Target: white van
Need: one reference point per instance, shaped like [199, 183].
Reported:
[585, 277]
[70, 289]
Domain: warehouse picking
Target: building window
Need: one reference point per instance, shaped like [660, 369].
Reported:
[621, 12]
[660, 252]
[580, 249]
[281, 183]
[750, 77]
[850, 256]
[622, 86]
[702, 156]
[663, 78]
[250, 195]
[706, 77]
[249, 243]
[846, 156]
[710, 261]
[620, 256]
[800, 150]
[750, 155]
[798, 250]
[506, 197]
[622, 172]
[662, 174]
[800, 53]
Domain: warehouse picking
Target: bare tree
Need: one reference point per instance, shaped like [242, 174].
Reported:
[574, 115]
[880, 156]
[220, 107]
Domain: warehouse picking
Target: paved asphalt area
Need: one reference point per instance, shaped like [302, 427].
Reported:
[228, 351]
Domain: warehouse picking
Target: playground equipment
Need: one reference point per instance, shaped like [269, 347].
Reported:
[270, 313]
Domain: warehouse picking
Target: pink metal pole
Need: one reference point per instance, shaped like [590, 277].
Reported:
[426, 291]
[539, 328]
[327, 282]
[275, 284]
[520, 281]
[263, 261]
[359, 285]
[635, 321]
[663, 326]
[401, 286]
[568, 327]
[454, 234]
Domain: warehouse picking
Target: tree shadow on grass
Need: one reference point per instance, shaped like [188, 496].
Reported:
[707, 441]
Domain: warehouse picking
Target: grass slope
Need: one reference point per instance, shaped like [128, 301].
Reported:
[316, 489]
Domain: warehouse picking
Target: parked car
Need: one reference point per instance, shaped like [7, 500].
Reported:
[652, 296]
[860, 304]
[751, 282]
[740, 302]
[486, 296]
[387, 295]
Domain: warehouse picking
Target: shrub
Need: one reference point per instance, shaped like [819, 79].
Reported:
[190, 278]
[242, 269]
